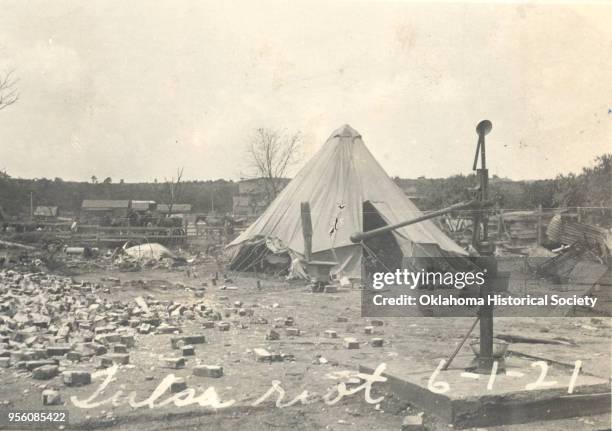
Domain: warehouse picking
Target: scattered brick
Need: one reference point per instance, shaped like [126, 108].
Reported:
[84, 325]
[31, 365]
[167, 329]
[272, 335]
[104, 330]
[96, 348]
[104, 362]
[262, 355]
[214, 371]
[76, 378]
[188, 350]
[351, 343]
[27, 355]
[194, 339]
[74, 356]
[45, 372]
[413, 423]
[376, 342]
[119, 348]
[51, 397]
[177, 342]
[63, 332]
[174, 363]
[114, 358]
[180, 341]
[128, 340]
[108, 338]
[142, 304]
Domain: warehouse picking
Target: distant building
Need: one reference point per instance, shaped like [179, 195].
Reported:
[247, 206]
[252, 186]
[43, 212]
[104, 211]
[176, 208]
[142, 206]
[253, 197]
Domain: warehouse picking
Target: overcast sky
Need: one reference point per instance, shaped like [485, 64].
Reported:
[134, 89]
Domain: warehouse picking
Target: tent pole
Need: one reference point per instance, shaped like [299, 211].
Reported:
[306, 229]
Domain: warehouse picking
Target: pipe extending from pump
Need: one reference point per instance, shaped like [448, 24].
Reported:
[362, 236]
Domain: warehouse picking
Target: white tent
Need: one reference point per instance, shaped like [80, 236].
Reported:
[338, 182]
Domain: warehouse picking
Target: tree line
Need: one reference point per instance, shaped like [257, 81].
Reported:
[588, 189]
[204, 196]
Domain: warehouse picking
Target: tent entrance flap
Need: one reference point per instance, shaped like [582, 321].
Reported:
[413, 255]
[382, 252]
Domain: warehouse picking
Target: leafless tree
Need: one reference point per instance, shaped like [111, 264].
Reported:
[173, 189]
[271, 153]
[8, 89]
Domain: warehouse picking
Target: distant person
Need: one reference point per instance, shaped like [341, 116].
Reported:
[75, 225]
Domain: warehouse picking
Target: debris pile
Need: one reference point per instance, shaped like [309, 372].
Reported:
[566, 231]
[51, 326]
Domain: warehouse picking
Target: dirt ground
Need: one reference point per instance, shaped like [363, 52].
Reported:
[318, 364]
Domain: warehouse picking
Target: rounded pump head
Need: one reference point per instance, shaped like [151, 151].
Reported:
[484, 127]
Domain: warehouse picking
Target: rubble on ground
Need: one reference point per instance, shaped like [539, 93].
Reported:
[53, 327]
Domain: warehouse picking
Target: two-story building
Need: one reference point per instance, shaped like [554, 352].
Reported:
[254, 196]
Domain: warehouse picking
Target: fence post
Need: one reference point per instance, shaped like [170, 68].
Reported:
[500, 224]
[539, 224]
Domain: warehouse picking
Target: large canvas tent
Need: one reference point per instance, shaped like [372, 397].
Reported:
[348, 192]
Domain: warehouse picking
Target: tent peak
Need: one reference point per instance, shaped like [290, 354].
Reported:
[341, 176]
[345, 131]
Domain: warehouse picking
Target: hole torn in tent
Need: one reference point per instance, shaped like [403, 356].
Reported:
[263, 254]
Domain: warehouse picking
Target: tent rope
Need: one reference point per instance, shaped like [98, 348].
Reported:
[371, 252]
